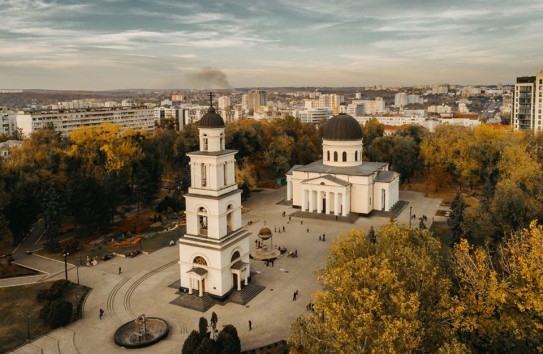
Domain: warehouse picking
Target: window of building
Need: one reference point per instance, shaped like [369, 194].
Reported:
[344, 156]
[204, 175]
[204, 148]
[356, 155]
[327, 155]
[225, 173]
[335, 156]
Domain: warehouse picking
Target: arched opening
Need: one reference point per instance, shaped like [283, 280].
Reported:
[202, 221]
[327, 155]
[335, 156]
[235, 256]
[205, 143]
[356, 155]
[199, 261]
[344, 156]
[225, 174]
[229, 218]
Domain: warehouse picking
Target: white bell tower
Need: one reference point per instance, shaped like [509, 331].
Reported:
[214, 252]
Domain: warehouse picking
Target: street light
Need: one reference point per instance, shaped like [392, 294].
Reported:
[66, 254]
[410, 217]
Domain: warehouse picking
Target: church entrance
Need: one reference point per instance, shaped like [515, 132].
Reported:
[234, 281]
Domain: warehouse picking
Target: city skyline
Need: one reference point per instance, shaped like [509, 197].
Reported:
[122, 44]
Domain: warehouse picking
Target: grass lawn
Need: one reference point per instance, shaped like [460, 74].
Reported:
[19, 307]
[14, 270]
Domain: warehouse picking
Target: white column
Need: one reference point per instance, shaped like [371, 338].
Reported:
[239, 281]
[200, 288]
[344, 213]
[336, 203]
[311, 201]
[246, 277]
[348, 202]
[328, 203]
[319, 201]
[190, 285]
[289, 190]
[304, 200]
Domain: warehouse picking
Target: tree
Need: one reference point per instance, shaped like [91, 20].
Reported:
[501, 304]
[456, 218]
[57, 313]
[371, 130]
[207, 346]
[203, 328]
[278, 156]
[191, 343]
[397, 298]
[213, 323]
[228, 340]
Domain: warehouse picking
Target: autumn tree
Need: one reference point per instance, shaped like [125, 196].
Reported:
[397, 298]
[371, 130]
[456, 217]
[501, 307]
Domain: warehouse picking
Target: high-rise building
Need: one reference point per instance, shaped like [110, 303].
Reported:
[256, 98]
[331, 101]
[400, 99]
[224, 102]
[528, 103]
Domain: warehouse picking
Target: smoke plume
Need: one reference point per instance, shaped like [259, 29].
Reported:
[207, 78]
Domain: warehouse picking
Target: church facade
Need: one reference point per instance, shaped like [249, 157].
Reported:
[341, 183]
[214, 252]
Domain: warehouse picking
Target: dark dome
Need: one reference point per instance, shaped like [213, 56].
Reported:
[265, 233]
[211, 119]
[342, 127]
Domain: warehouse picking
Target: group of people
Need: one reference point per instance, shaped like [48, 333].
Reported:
[293, 254]
[322, 237]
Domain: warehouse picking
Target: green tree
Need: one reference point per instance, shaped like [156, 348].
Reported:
[191, 343]
[57, 313]
[228, 340]
[278, 156]
[371, 131]
[203, 327]
[207, 346]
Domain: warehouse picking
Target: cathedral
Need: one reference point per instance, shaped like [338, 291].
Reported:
[341, 183]
[214, 252]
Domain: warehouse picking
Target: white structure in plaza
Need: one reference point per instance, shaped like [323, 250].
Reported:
[214, 252]
[341, 183]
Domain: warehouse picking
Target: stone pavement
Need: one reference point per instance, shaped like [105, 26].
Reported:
[142, 288]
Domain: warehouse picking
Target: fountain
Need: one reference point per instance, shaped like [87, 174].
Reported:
[142, 332]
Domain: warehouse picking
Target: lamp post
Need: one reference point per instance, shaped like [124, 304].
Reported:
[78, 269]
[28, 327]
[66, 254]
[410, 217]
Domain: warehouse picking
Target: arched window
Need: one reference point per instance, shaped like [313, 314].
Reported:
[200, 261]
[335, 156]
[344, 156]
[328, 155]
[225, 174]
[205, 147]
[235, 256]
[356, 155]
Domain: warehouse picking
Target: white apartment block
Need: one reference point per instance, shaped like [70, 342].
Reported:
[66, 122]
[441, 109]
[371, 107]
[224, 102]
[8, 124]
[331, 101]
[394, 120]
[441, 89]
[528, 103]
[314, 115]
[400, 99]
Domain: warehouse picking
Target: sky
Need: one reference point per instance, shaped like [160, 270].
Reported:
[122, 44]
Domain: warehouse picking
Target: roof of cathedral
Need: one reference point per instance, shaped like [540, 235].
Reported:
[342, 127]
[211, 119]
[365, 169]
[385, 176]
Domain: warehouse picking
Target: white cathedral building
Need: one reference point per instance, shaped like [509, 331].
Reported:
[341, 183]
[214, 252]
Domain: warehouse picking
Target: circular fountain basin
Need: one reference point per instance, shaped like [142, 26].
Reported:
[127, 335]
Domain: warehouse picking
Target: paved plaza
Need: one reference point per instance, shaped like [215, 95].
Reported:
[143, 286]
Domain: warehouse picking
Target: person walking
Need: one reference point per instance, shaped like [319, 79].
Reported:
[294, 296]
[250, 325]
[120, 271]
[323, 237]
[101, 313]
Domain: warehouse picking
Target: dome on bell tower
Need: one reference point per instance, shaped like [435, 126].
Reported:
[211, 119]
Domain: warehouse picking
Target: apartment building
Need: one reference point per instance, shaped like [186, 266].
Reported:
[67, 121]
[528, 103]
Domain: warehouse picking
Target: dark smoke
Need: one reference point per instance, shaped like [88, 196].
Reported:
[208, 78]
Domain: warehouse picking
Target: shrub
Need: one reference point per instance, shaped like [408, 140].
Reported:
[71, 245]
[52, 245]
[57, 313]
[54, 292]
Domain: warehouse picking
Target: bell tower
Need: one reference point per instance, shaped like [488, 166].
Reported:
[214, 252]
